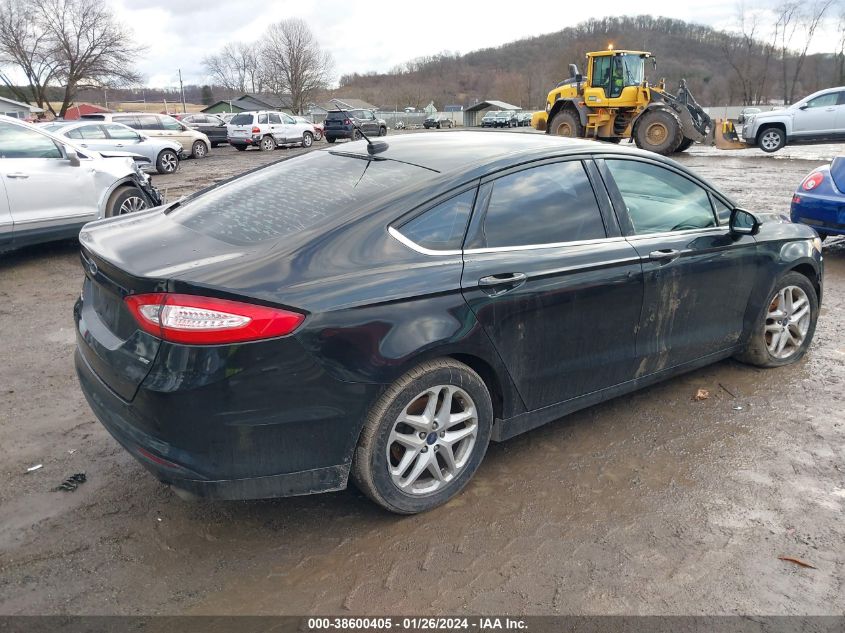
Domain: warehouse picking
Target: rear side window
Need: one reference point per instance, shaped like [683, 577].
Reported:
[262, 118]
[275, 118]
[543, 205]
[290, 197]
[442, 227]
[659, 200]
[241, 119]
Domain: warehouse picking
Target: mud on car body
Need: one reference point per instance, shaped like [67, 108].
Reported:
[448, 290]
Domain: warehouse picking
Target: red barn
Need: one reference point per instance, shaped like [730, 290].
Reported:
[76, 111]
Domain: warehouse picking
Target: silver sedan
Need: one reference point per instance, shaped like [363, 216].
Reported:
[101, 136]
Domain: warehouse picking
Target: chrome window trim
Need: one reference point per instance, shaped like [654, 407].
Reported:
[527, 247]
[416, 247]
[707, 229]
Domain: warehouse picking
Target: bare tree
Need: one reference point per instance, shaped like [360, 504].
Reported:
[25, 45]
[293, 66]
[787, 23]
[73, 43]
[809, 20]
[236, 67]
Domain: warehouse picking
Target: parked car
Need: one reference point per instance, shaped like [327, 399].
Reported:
[209, 124]
[452, 289]
[339, 124]
[437, 121]
[819, 200]
[49, 186]
[162, 155]
[525, 119]
[506, 118]
[268, 130]
[193, 142]
[818, 118]
[227, 116]
[489, 119]
[318, 127]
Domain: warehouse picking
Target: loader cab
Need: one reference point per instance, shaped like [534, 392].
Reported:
[614, 78]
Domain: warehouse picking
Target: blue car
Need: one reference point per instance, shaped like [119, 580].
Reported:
[820, 202]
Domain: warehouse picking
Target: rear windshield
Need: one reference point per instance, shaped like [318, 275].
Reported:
[335, 115]
[292, 196]
[241, 119]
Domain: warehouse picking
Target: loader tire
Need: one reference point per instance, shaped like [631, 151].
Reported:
[566, 123]
[685, 145]
[659, 131]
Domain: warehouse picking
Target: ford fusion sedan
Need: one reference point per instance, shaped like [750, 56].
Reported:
[163, 155]
[820, 202]
[50, 187]
[447, 291]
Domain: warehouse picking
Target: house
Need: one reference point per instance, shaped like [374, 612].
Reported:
[474, 113]
[76, 111]
[453, 108]
[18, 110]
[250, 103]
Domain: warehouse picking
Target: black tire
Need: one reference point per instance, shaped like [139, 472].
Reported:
[771, 139]
[438, 126]
[214, 145]
[370, 467]
[199, 149]
[658, 131]
[125, 200]
[566, 123]
[685, 145]
[307, 139]
[318, 135]
[356, 135]
[757, 351]
[167, 161]
[610, 139]
[330, 139]
[267, 144]
[240, 148]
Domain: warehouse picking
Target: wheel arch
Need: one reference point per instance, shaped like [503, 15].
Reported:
[126, 181]
[771, 124]
[810, 272]
[570, 104]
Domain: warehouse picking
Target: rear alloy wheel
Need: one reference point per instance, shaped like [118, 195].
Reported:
[199, 149]
[126, 200]
[318, 135]
[771, 139]
[307, 139]
[382, 131]
[356, 135]
[167, 161]
[659, 131]
[424, 438]
[786, 328]
[566, 123]
[267, 144]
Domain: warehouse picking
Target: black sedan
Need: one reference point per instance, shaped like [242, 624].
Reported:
[271, 336]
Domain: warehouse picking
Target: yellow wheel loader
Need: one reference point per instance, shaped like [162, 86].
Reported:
[615, 102]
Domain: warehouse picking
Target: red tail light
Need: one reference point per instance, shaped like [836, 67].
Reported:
[812, 181]
[346, 121]
[199, 320]
[256, 130]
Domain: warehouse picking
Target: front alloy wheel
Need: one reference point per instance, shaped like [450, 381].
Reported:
[424, 438]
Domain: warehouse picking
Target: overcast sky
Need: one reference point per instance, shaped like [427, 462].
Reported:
[375, 36]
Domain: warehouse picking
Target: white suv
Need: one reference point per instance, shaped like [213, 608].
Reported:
[50, 187]
[819, 118]
[268, 130]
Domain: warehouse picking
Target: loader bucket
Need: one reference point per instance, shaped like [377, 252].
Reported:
[725, 135]
[538, 121]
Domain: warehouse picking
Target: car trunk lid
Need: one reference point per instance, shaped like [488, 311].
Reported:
[837, 172]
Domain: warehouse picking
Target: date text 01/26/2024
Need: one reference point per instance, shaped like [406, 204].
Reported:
[387, 624]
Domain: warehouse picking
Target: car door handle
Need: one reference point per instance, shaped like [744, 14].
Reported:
[17, 174]
[119, 145]
[664, 255]
[502, 283]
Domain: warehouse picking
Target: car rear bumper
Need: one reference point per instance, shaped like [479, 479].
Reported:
[245, 141]
[822, 213]
[237, 433]
[337, 133]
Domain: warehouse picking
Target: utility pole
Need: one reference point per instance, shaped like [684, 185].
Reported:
[182, 90]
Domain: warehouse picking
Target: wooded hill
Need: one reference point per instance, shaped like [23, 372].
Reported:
[720, 68]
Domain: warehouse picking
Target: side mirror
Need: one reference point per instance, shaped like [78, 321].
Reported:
[141, 138]
[743, 222]
[72, 157]
[804, 106]
[579, 78]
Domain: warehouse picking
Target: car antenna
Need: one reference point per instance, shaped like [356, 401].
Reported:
[373, 148]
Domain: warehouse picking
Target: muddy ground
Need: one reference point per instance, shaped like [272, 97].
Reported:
[649, 504]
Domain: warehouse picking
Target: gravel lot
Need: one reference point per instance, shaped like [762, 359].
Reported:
[648, 504]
